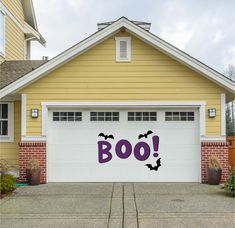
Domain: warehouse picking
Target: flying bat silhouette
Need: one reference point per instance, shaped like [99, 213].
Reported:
[145, 135]
[158, 162]
[106, 136]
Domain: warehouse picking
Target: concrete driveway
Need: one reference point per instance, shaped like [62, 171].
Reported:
[118, 205]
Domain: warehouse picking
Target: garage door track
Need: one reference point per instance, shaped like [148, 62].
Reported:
[118, 205]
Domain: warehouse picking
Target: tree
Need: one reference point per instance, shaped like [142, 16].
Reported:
[230, 72]
[230, 109]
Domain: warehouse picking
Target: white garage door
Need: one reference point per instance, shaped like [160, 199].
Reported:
[73, 155]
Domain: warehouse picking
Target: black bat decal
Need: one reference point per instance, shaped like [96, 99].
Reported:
[158, 162]
[145, 135]
[106, 136]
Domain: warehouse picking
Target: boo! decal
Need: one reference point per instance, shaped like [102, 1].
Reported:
[124, 149]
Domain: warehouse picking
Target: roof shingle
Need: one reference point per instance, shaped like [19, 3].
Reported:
[10, 71]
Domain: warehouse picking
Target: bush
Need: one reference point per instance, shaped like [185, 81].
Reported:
[229, 186]
[7, 184]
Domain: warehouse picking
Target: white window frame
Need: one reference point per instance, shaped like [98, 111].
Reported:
[2, 52]
[10, 136]
[118, 40]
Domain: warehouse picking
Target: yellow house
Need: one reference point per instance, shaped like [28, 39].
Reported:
[18, 28]
[115, 102]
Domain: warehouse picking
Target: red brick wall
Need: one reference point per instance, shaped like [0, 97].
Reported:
[37, 150]
[29, 151]
[219, 149]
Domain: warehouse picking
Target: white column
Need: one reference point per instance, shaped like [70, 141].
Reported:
[23, 115]
[223, 114]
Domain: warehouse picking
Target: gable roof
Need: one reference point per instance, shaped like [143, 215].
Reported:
[10, 71]
[105, 33]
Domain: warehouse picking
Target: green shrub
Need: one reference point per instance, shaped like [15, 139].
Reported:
[7, 184]
[229, 186]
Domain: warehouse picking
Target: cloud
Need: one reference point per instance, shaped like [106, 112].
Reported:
[205, 28]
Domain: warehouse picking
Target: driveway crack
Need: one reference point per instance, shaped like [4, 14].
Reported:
[136, 209]
[110, 206]
[123, 206]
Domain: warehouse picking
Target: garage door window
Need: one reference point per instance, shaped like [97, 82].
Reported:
[179, 116]
[104, 116]
[67, 116]
[142, 116]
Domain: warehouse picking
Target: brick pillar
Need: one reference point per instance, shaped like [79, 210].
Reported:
[29, 151]
[218, 149]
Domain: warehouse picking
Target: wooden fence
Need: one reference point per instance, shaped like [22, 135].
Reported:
[231, 150]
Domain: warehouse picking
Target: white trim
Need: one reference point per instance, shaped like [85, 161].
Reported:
[128, 43]
[223, 114]
[29, 30]
[44, 120]
[15, 20]
[10, 136]
[137, 104]
[157, 104]
[23, 114]
[2, 53]
[202, 117]
[104, 34]
[25, 28]
[33, 138]
[213, 138]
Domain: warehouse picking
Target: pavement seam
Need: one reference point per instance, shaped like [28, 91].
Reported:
[136, 209]
[110, 206]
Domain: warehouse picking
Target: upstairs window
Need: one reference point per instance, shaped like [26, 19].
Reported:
[123, 49]
[6, 122]
[2, 33]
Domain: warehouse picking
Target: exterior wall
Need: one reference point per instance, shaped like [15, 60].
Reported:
[220, 150]
[29, 151]
[14, 37]
[14, 43]
[9, 150]
[96, 76]
[16, 8]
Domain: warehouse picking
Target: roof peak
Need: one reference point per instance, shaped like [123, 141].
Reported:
[145, 25]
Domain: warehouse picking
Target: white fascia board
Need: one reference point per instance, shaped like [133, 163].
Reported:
[30, 30]
[33, 14]
[104, 34]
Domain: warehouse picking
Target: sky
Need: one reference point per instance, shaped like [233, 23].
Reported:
[204, 29]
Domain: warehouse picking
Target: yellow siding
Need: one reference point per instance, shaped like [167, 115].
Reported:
[9, 151]
[14, 37]
[96, 76]
[16, 8]
[14, 49]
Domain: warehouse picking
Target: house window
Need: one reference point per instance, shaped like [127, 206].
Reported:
[123, 49]
[6, 122]
[179, 116]
[104, 116]
[2, 33]
[67, 116]
[142, 116]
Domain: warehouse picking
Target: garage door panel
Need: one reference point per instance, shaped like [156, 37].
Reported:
[73, 152]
